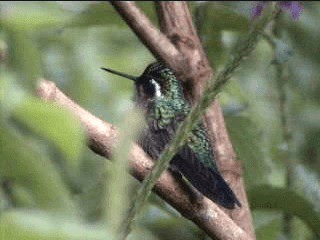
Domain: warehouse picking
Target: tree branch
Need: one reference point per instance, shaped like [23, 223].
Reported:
[176, 23]
[158, 44]
[102, 138]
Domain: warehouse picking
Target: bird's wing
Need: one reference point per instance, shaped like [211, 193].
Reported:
[197, 166]
[205, 178]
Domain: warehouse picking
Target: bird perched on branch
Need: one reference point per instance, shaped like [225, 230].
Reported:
[160, 95]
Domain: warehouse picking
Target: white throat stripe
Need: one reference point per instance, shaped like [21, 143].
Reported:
[157, 88]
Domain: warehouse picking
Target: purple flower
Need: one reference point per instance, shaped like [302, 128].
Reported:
[257, 10]
[294, 7]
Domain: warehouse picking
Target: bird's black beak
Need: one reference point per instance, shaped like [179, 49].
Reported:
[133, 78]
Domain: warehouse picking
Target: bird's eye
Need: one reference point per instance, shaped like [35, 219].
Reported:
[148, 89]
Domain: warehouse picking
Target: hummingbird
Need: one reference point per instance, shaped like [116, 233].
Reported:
[159, 94]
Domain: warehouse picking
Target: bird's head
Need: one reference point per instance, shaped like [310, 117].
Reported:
[156, 82]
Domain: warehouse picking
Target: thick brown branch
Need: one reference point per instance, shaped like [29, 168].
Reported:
[230, 167]
[103, 136]
[158, 44]
[176, 22]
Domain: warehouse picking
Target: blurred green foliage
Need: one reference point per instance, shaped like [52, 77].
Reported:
[53, 187]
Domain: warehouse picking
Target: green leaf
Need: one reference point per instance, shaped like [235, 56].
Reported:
[269, 231]
[118, 182]
[283, 199]
[247, 141]
[307, 181]
[35, 225]
[267, 224]
[26, 166]
[21, 195]
[32, 15]
[54, 123]
[224, 18]
[103, 14]
[11, 95]
[98, 14]
[4, 203]
[25, 56]
[218, 20]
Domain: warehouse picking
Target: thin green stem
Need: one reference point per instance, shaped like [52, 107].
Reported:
[281, 69]
[214, 87]
[282, 79]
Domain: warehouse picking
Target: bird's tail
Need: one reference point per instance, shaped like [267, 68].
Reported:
[208, 181]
